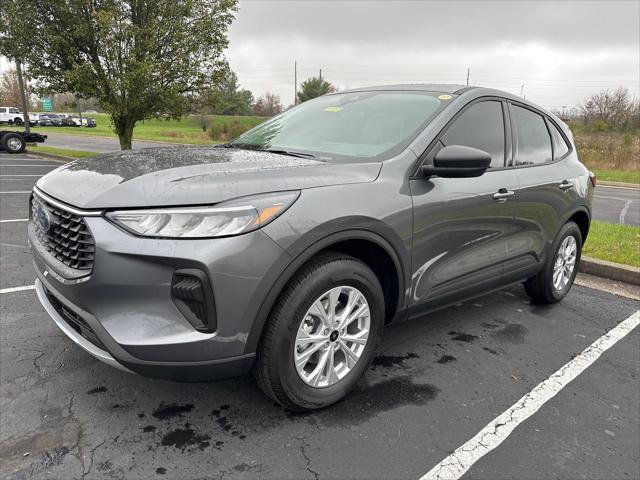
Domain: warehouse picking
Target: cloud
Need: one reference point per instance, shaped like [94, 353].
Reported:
[560, 51]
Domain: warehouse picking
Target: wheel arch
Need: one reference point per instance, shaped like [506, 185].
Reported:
[582, 218]
[368, 246]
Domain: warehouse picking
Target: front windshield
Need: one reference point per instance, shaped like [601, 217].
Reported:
[348, 126]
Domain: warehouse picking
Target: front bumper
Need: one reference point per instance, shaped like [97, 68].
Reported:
[70, 332]
[126, 301]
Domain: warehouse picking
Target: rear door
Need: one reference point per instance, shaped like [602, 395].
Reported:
[543, 194]
[461, 224]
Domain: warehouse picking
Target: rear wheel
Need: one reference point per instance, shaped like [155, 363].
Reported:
[18, 121]
[556, 278]
[322, 333]
[12, 143]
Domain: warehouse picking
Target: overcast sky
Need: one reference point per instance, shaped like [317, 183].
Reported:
[560, 51]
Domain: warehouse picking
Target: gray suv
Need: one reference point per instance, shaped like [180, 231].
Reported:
[287, 250]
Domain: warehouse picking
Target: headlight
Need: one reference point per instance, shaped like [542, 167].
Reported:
[233, 217]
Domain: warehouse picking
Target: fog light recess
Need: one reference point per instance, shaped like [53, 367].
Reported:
[192, 295]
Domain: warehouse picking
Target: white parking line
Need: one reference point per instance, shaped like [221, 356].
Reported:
[624, 211]
[29, 165]
[15, 220]
[18, 289]
[496, 432]
[18, 191]
[20, 175]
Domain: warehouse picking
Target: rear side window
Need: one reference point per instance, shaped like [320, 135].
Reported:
[534, 142]
[480, 126]
[560, 147]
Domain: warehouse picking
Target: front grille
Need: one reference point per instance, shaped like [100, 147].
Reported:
[67, 237]
[74, 320]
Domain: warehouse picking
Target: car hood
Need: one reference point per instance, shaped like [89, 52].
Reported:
[186, 175]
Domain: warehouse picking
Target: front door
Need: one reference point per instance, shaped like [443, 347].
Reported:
[461, 225]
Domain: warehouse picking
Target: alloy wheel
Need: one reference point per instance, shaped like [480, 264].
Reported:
[332, 336]
[565, 263]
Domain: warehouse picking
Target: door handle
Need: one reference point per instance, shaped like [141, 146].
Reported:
[503, 194]
[565, 185]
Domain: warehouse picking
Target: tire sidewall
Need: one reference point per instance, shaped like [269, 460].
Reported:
[348, 273]
[569, 229]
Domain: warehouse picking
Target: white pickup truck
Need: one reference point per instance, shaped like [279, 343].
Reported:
[11, 115]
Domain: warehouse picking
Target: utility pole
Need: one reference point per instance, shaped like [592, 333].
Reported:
[295, 82]
[23, 96]
[320, 74]
[468, 70]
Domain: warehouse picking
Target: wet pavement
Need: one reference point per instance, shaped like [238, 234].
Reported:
[434, 383]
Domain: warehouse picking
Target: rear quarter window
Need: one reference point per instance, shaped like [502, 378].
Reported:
[560, 147]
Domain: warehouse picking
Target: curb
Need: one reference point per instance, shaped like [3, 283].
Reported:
[607, 183]
[51, 156]
[610, 270]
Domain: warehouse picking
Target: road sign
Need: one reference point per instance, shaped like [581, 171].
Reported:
[47, 104]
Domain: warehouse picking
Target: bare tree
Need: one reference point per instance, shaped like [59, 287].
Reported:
[9, 89]
[268, 105]
[617, 108]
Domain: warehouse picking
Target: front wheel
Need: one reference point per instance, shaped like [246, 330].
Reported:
[322, 333]
[556, 278]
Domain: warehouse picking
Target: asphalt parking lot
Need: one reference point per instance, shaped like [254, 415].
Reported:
[434, 384]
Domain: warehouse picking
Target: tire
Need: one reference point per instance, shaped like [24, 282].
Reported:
[12, 143]
[275, 368]
[18, 121]
[541, 288]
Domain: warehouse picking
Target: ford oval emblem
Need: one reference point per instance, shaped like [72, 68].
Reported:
[43, 218]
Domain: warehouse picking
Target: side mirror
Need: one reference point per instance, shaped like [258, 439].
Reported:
[458, 161]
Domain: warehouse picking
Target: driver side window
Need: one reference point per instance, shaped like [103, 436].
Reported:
[480, 126]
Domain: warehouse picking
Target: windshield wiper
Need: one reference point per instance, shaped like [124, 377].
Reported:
[288, 152]
[277, 151]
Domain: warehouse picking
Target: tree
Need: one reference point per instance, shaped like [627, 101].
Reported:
[227, 98]
[314, 87]
[138, 58]
[9, 89]
[612, 108]
[268, 105]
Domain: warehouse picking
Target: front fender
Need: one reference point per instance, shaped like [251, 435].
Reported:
[319, 239]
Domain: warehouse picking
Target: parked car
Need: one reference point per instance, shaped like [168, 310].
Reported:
[287, 250]
[34, 119]
[70, 121]
[76, 121]
[11, 115]
[49, 120]
[16, 142]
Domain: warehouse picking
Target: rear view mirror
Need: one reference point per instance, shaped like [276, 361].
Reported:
[458, 161]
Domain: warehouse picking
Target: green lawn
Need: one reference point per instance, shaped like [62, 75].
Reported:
[60, 151]
[185, 130]
[615, 243]
[626, 176]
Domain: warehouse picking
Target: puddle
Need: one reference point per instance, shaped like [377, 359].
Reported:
[389, 361]
[513, 333]
[97, 390]
[166, 412]
[462, 337]
[446, 359]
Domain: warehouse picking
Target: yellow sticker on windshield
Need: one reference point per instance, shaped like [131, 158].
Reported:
[333, 109]
[444, 97]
